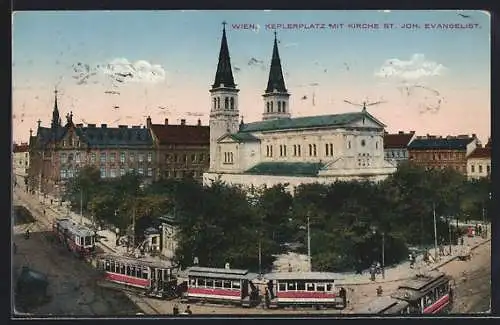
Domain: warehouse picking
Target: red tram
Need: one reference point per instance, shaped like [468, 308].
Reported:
[304, 289]
[430, 293]
[218, 285]
[77, 238]
[155, 278]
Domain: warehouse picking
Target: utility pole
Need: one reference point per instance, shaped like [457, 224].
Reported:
[383, 255]
[309, 243]
[260, 258]
[449, 231]
[81, 206]
[435, 233]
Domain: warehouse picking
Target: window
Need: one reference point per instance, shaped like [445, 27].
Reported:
[269, 151]
[193, 158]
[63, 173]
[284, 150]
[64, 158]
[112, 173]
[376, 145]
[140, 157]
[218, 102]
[226, 103]
[363, 143]
[281, 286]
[279, 107]
[314, 150]
[227, 283]
[122, 157]
[141, 171]
[348, 144]
[131, 156]
[480, 168]
[103, 172]
[64, 143]
[310, 287]
[301, 286]
[295, 150]
[77, 157]
[112, 157]
[201, 283]
[232, 102]
[102, 157]
[331, 149]
[236, 285]
[209, 283]
[310, 150]
[150, 156]
[320, 287]
[327, 149]
[202, 157]
[298, 150]
[488, 169]
[283, 108]
[291, 286]
[122, 171]
[268, 107]
[329, 287]
[218, 284]
[150, 172]
[472, 169]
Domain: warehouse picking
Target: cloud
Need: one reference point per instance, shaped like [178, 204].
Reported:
[291, 45]
[122, 70]
[415, 68]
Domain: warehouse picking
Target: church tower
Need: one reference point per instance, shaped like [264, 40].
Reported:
[224, 110]
[56, 119]
[276, 96]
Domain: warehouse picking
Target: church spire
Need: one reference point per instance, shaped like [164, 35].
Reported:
[56, 120]
[276, 80]
[224, 74]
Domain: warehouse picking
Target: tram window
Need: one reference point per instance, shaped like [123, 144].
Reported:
[210, 283]
[310, 287]
[192, 282]
[218, 284]
[236, 285]
[428, 299]
[282, 286]
[88, 241]
[414, 309]
[227, 284]
[128, 270]
[320, 287]
[291, 286]
[201, 283]
[122, 269]
[111, 266]
[132, 271]
[301, 286]
[145, 273]
[139, 272]
[329, 287]
[107, 268]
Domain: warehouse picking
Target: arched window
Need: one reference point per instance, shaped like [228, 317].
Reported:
[271, 107]
[226, 103]
[310, 150]
[218, 102]
[232, 102]
[283, 107]
[215, 103]
[279, 107]
[268, 107]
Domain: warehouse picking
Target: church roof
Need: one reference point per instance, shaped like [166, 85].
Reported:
[276, 80]
[286, 169]
[224, 74]
[336, 120]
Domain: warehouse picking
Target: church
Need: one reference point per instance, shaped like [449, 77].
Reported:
[282, 149]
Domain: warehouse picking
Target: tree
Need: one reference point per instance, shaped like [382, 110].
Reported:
[83, 188]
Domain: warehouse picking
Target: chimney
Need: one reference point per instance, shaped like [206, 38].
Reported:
[166, 121]
[91, 125]
[400, 132]
[122, 126]
[385, 132]
[474, 135]
[31, 132]
[183, 122]
[199, 122]
[136, 126]
[148, 122]
[104, 126]
[412, 132]
[79, 125]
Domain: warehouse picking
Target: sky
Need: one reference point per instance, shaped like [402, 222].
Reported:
[428, 72]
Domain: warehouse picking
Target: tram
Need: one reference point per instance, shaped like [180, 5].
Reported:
[217, 285]
[154, 278]
[429, 293]
[385, 306]
[77, 238]
[318, 289]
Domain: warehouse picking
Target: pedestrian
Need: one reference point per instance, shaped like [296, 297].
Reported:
[462, 241]
[372, 273]
[51, 201]
[175, 310]
[44, 212]
[188, 310]
[289, 267]
[27, 235]
[379, 291]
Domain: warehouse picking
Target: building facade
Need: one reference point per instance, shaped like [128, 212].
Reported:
[59, 151]
[181, 150]
[20, 163]
[283, 149]
[396, 146]
[443, 152]
[479, 162]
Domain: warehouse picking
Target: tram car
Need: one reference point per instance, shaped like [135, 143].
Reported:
[317, 289]
[217, 285]
[77, 238]
[153, 278]
[429, 293]
[384, 306]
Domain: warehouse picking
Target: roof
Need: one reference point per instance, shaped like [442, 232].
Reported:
[23, 147]
[481, 153]
[242, 137]
[115, 137]
[313, 276]
[418, 286]
[286, 169]
[45, 135]
[276, 80]
[224, 74]
[440, 143]
[336, 120]
[398, 140]
[181, 134]
[75, 228]
[143, 261]
[209, 272]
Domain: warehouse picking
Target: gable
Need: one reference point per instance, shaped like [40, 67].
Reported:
[366, 121]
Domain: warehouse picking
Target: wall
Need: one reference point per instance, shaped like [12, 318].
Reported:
[475, 164]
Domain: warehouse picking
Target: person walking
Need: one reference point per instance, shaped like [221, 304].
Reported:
[188, 310]
[175, 310]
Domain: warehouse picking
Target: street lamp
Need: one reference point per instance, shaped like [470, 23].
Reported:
[309, 243]
[374, 231]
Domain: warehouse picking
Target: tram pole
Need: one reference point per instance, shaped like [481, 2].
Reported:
[383, 255]
[309, 243]
[435, 233]
[81, 206]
